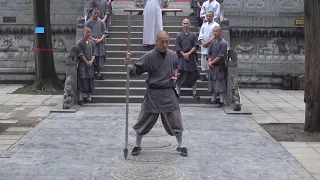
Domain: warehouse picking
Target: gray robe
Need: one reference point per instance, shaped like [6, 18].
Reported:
[188, 69]
[218, 74]
[98, 28]
[160, 96]
[85, 73]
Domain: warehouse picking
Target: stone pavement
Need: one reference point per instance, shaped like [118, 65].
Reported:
[82, 146]
[274, 105]
[21, 112]
[88, 145]
[279, 106]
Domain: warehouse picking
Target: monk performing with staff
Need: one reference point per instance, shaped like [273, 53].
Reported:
[161, 64]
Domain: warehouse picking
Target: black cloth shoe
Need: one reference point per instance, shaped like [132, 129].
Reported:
[204, 79]
[136, 151]
[101, 78]
[221, 105]
[196, 97]
[209, 101]
[80, 103]
[183, 151]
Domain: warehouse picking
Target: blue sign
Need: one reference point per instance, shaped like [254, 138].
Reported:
[39, 30]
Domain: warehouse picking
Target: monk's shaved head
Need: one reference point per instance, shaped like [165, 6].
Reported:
[162, 42]
[186, 25]
[186, 20]
[162, 33]
[87, 32]
[86, 29]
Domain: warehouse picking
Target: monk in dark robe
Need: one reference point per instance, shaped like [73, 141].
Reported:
[217, 57]
[98, 29]
[85, 67]
[160, 98]
[186, 47]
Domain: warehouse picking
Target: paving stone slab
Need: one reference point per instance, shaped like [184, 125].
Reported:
[7, 142]
[10, 137]
[9, 121]
[14, 129]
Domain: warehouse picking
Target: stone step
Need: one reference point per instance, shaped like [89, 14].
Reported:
[140, 23]
[134, 83]
[124, 34]
[121, 68]
[140, 91]
[136, 28]
[112, 41]
[139, 99]
[123, 75]
[164, 18]
[134, 54]
[133, 47]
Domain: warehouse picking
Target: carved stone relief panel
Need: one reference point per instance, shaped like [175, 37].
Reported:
[255, 4]
[269, 50]
[234, 4]
[23, 2]
[288, 6]
[20, 44]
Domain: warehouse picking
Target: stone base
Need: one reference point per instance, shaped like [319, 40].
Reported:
[229, 110]
[59, 109]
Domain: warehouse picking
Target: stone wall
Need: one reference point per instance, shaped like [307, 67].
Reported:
[267, 40]
[16, 36]
[263, 13]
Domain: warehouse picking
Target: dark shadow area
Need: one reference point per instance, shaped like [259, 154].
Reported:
[290, 132]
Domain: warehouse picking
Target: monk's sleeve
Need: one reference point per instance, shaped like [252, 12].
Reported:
[178, 44]
[195, 42]
[210, 50]
[203, 11]
[81, 51]
[223, 48]
[140, 67]
[201, 33]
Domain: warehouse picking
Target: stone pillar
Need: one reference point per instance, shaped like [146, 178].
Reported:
[221, 10]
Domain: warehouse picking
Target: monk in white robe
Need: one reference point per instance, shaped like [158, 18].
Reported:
[213, 6]
[152, 21]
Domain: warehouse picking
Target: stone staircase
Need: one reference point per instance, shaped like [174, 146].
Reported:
[113, 88]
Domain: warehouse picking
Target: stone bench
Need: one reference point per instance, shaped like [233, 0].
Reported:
[140, 10]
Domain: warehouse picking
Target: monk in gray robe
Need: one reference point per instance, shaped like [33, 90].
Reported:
[107, 14]
[218, 54]
[85, 67]
[98, 29]
[160, 98]
[186, 47]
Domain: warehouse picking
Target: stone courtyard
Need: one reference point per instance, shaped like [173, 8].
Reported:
[88, 144]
